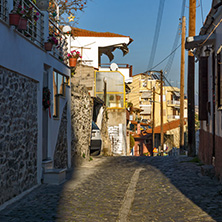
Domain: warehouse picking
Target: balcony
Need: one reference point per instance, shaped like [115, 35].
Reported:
[3, 10]
[125, 69]
[146, 109]
[173, 117]
[174, 103]
[37, 30]
[60, 51]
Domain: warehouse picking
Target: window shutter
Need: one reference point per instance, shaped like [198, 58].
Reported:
[219, 79]
[203, 88]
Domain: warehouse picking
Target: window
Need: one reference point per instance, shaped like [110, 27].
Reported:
[203, 88]
[59, 82]
[115, 88]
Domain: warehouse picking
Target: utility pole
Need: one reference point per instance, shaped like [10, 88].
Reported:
[105, 90]
[153, 125]
[161, 110]
[182, 69]
[191, 83]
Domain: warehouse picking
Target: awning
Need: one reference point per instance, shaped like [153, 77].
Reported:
[107, 50]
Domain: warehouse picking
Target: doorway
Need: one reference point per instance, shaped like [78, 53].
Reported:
[45, 121]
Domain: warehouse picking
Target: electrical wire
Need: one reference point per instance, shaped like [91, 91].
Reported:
[201, 7]
[156, 35]
[163, 59]
[176, 40]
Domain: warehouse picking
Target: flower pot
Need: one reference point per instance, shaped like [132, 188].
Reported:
[72, 62]
[14, 19]
[22, 24]
[48, 46]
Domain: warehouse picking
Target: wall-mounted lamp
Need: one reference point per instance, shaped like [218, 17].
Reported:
[67, 29]
[207, 51]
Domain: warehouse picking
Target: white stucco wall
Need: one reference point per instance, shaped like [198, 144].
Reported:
[90, 46]
[22, 56]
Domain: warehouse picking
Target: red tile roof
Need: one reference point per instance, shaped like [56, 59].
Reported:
[87, 33]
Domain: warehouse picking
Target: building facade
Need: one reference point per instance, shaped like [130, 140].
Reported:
[207, 50]
[35, 103]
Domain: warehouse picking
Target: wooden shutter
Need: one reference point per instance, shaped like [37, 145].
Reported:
[219, 81]
[203, 88]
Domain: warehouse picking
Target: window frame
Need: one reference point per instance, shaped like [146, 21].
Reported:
[56, 93]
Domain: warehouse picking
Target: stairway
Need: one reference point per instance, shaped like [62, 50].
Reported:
[51, 175]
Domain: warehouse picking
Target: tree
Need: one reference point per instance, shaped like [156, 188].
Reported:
[66, 8]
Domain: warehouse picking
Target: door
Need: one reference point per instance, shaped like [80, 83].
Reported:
[45, 122]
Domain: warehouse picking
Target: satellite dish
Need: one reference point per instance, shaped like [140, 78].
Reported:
[43, 5]
[114, 67]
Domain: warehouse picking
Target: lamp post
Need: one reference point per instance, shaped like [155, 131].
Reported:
[67, 30]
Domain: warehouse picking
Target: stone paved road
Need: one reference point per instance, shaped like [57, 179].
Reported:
[125, 189]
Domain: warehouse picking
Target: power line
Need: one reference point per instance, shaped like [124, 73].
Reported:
[201, 6]
[171, 58]
[163, 59]
[156, 35]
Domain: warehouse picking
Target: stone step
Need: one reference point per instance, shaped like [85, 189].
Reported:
[54, 176]
[47, 164]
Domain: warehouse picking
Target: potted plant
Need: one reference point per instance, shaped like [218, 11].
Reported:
[25, 14]
[73, 56]
[14, 19]
[50, 42]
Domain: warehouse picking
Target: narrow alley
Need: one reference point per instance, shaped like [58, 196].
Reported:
[125, 189]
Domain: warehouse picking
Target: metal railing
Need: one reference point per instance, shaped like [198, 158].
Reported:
[173, 117]
[60, 50]
[4, 10]
[173, 102]
[121, 66]
[35, 28]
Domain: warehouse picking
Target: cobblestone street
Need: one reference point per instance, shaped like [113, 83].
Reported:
[125, 189]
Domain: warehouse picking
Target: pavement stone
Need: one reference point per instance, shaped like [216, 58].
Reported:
[167, 189]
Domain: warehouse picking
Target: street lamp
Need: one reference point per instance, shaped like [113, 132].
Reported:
[207, 51]
[67, 30]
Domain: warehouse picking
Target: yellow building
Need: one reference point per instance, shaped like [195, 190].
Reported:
[141, 96]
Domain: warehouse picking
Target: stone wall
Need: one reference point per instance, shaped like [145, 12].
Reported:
[18, 134]
[84, 75]
[81, 118]
[61, 150]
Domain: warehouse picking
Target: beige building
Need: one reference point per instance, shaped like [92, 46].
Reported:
[141, 96]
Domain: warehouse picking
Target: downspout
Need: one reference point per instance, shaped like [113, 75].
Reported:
[214, 104]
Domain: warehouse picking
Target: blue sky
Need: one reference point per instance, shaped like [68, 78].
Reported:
[137, 19]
